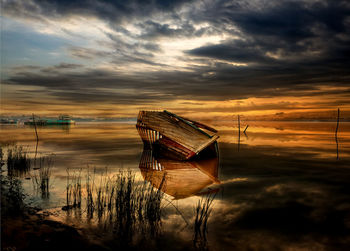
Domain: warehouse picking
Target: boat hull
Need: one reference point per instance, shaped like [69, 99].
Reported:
[174, 136]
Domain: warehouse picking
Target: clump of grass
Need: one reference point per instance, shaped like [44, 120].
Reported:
[2, 162]
[89, 195]
[12, 197]
[202, 211]
[101, 194]
[150, 199]
[41, 178]
[124, 218]
[137, 205]
[18, 162]
[73, 190]
[120, 203]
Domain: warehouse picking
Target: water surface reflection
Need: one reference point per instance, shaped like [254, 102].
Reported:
[283, 189]
[182, 178]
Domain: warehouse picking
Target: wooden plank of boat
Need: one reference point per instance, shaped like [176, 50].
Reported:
[197, 124]
[178, 134]
[178, 150]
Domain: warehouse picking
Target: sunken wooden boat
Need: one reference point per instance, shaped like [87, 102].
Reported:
[180, 179]
[176, 136]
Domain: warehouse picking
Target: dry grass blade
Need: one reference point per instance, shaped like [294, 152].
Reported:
[120, 203]
[73, 190]
[202, 211]
[41, 178]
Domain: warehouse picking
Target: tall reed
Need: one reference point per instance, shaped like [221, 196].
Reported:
[18, 161]
[202, 211]
[120, 203]
[41, 178]
[2, 162]
[89, 194]
[73, 189]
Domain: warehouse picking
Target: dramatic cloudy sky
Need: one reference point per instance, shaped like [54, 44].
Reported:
[110, 58]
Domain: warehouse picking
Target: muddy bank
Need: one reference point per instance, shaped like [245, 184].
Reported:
[35, 232]
[27, 228]
[24, 228]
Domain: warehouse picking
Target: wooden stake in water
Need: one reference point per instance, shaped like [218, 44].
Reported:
[239, 131]
[36, 133]
[37, 137]
[336, 129]
[336, 133]
[239, 123]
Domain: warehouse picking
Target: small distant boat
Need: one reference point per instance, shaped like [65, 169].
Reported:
[62, 120]
[8, 121]
[181, 137]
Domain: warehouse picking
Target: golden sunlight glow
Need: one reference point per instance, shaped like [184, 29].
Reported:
[269, 108]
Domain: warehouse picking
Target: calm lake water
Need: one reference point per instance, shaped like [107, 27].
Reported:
[282, 185]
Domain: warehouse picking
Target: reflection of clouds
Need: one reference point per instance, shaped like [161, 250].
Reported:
[279, 213]
[314, 139]
[112, 145]
[233, 180]
[286, 197]
[89, 143]
[274, 196]
[281, 189]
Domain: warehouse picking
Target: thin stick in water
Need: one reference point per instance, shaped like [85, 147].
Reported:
[37, 139]
[336, 134]
[245, 129]
[239, 124]
[36, 132]
[336, 129]
[239, 132]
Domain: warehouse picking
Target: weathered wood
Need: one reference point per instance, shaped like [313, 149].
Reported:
[190, 123]
[176, 129]
[200, 125]
[336, 134]
[181, 151]
[206, 144]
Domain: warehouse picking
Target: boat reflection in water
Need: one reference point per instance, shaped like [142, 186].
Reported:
[181, 178]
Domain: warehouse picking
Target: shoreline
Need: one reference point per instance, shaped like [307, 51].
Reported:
[24, 228]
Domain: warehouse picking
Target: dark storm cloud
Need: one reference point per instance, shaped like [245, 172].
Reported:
[152, 30]
[122, 52]
[56, 69]
[232, 51]
[87, 53]
[294, 30]
[169, 85]
[288, 47]
[111, 10]
[95, 95]
[67, 66]
[119, 44]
